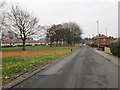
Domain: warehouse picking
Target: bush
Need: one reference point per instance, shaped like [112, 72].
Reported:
[93, 45]
[115, 48]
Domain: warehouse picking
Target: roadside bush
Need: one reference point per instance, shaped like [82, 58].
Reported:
[115, 48]
[93, 45]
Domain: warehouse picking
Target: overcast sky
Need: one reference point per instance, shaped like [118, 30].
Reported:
[83, 12]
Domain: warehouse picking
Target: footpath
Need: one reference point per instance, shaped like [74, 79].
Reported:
[110, 57]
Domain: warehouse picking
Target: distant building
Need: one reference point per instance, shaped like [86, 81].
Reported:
[116, 40]
[101, 39]
[19, 42]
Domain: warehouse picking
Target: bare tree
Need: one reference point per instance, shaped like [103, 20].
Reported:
[76, 32]
[2, 20]
[66, 32]
[23, 24]
[2, 4]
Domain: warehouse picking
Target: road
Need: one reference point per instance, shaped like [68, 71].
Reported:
[82, 69]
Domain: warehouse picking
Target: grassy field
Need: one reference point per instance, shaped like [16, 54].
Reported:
[14, 60]
[30, 48]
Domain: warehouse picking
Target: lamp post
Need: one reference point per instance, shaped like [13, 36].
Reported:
[106, 37]
[98, 32]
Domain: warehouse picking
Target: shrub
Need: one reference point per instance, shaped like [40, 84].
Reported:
[93, 45]
[115, 48]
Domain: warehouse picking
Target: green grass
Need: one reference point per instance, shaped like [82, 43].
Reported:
[24, 63]
[27, 48]
[13, 65]
[34, 48]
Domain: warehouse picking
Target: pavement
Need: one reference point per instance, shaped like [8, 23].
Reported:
[83, 68]
[112, 58]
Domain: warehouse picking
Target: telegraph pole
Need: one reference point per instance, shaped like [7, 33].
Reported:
[98, 32]
[106, 35]
[106, 31]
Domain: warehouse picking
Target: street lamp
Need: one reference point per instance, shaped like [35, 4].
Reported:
[98, 32]
[106, 37]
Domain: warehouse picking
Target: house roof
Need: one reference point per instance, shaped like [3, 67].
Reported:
[20, 41]
[101, 36]
[41, 41]
[116, 40]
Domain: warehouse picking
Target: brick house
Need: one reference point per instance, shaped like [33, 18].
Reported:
[101, 40]
[19, 42]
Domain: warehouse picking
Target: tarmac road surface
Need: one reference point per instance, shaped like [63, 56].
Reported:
[82, 69]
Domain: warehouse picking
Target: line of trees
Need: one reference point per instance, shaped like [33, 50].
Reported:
[67, 32]
[24, 26]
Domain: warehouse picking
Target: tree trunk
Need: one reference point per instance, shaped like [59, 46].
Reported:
[57, 43]
[23, 45]
[74, 42]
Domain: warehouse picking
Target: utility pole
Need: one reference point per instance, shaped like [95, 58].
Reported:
[98, 32]
[106, 31]
[93, 38]
[119, 19]
[106, 37]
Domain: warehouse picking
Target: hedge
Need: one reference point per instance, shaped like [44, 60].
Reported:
[115, 48]
[93, 45]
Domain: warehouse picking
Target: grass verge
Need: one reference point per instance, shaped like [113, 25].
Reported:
[11, 66]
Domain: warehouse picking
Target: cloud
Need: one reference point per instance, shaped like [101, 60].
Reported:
[83, 12]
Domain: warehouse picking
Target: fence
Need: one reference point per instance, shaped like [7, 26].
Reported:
[107, 50]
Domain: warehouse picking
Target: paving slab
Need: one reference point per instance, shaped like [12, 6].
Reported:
[108, 56]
